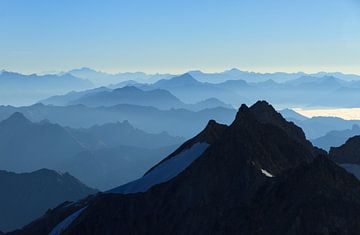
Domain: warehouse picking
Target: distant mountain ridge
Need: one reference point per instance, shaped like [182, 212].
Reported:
[104, 79]
[304, 90]
[101, 156]
[30, 88]
[158, 98]
[26, 146]
[148, 119]
[336, 138]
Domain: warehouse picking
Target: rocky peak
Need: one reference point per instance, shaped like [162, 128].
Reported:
[348, 152]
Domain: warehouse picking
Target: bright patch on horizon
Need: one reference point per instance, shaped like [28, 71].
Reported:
[344, 113]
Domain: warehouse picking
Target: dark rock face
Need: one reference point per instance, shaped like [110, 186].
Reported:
[24, 197]
[348, 152]
[210, 135]
[258, 176]
[315, 198]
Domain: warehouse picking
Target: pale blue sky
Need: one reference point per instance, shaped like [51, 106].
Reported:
[175, 36]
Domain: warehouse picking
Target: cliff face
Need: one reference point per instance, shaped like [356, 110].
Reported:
[257, 176]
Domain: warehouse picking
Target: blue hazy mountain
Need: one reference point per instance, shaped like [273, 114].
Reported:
[130, 95]
[109, 167]
[26, 196]
[176, 122]
[236, 74]
[20, 89]
[121, 134]
[190, 90]
[64, 100]
[336, 138]
[304, 90]
[317, 127]
[27, 146]
[158, 98]
[93, 154]
[102, 79]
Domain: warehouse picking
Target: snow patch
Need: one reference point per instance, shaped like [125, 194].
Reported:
[165, 171]
[266, 173]
[66, 222]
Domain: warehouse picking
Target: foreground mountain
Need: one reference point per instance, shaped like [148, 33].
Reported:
[348, 152]
[348, 155]
[258, 175]
[336, 138]
[24, 197]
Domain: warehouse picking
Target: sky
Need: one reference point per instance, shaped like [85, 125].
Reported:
[177, 36]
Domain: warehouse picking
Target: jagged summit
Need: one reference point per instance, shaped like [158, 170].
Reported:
[128, 89]
[211, 133]
[17, 118]
[245, 180]
[347, 153]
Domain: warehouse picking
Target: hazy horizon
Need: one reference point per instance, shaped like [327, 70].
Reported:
[160, 36]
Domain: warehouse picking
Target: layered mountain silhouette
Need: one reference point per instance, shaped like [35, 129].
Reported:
[121, 134]
[101, 156]
[317, 127]
[259, 175]
[158, 98]
[107, 168]
[148, 119]
[231, 86]
[336, 138]
[25, 197]
[102, 78]
[130, 95]
[27, 146]
[20, 89]
[305, 90]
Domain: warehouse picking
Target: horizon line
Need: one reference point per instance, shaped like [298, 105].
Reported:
[183, 71]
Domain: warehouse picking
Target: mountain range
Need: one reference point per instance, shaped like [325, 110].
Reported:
[26, 196]
[317, 127]
[27, 146]
[259, 175]
[158, 98]
[101, 156]
[336, 138]
[20, 89]
[102, 79]
[232, 86]
[305, 91]
[149, 119]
